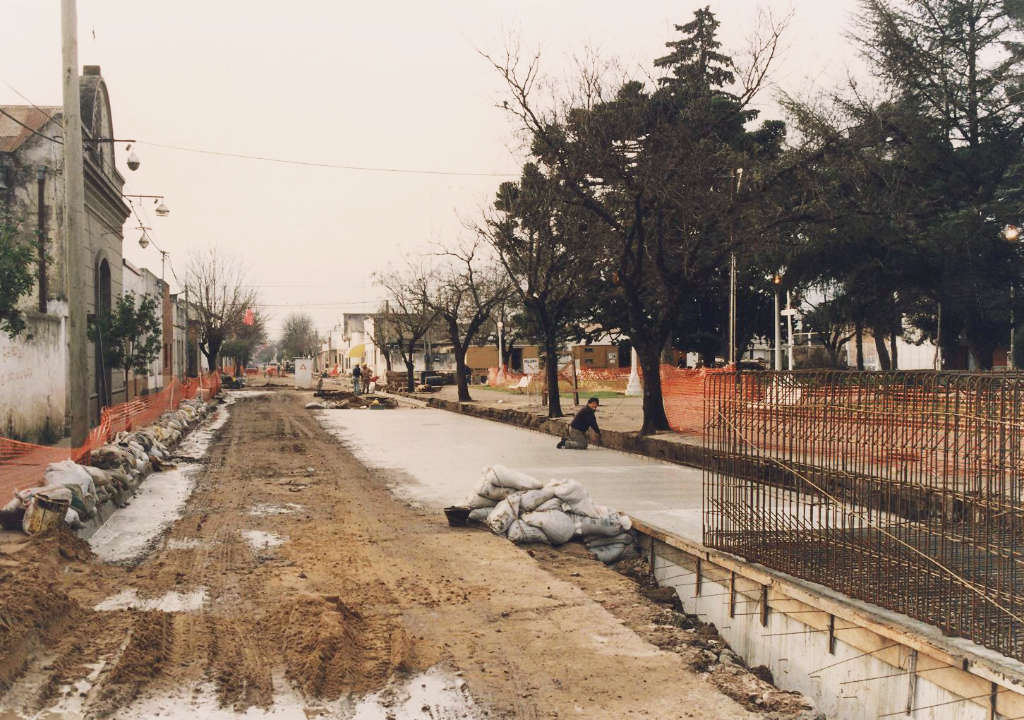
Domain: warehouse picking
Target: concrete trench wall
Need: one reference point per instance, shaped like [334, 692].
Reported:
[794, 644]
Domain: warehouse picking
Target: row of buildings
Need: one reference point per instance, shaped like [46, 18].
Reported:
[34, 366]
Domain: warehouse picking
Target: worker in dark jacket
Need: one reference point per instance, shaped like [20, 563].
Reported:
[585, 419]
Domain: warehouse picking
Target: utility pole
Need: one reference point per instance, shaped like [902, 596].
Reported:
[778, 325]
[74, 226]
[789, 329]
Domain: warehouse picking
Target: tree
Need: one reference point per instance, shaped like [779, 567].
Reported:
[463, 295]
[247, 339]
[412, 315]
[16, 279]
[380, 335]
[654, 169]
[299, 337]
[952, 71]
[130, 334]
[541, 244]
[217, 291]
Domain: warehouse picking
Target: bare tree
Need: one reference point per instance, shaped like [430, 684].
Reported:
[380, 334]
[216, 290]
[464, 295]
[411, 317]
[299, 337]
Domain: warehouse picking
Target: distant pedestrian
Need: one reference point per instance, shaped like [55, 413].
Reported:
[367, 377]
[586, 419]
[356, 372]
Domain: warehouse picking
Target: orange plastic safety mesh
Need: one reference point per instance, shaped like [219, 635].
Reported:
[22, 464]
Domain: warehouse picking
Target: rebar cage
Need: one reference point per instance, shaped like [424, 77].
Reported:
[898, 488]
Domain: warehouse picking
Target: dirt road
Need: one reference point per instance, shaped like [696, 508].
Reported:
[294, 567]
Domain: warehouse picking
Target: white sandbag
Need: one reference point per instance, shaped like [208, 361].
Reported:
[493, 492]
[68, 472]
[522, 533]
[100, 477]
[478, 502]
[608, 554]
[533, 499]
[598, 541]
[576, 497]
[556, 525]
[15, 503]
[503, 514]
[479, 514]
[72, 519]
[506, 477]
[552, 504]
[607, 526]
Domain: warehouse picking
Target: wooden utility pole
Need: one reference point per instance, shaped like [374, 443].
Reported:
[74, 227]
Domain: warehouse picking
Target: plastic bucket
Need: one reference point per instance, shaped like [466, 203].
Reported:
[44, 513]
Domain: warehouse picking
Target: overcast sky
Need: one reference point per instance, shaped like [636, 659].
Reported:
[390, 85]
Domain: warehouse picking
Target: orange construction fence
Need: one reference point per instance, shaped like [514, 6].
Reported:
[22, 464]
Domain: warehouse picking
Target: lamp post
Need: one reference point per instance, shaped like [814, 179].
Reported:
[732, 273]
[1012, 234]
[777, 281]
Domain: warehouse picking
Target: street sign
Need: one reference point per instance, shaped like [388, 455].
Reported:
[788, 312]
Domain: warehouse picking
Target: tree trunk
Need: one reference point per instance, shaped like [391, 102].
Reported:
[410, 380]
[883, 354]
[551, 378]
[655, 418]
[461, 381]
[387, 360]
[893, 360]
[859, 344]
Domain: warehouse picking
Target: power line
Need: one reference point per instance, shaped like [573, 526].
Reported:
[30, 129]
[335, 166]
[22, 96]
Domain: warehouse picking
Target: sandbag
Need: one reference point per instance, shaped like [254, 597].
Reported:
[72, 519]
[533, 499]
[478, 502]
[503, 514]
[556, 525]
[492, 492]
[100, 477]
[69, 473]
[506, 477]
[607, 526]
[620, 539]
[480, 514]
[576, 497]
[608, 554]
[522, 533]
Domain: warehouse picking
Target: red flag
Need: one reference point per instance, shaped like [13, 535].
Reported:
[249, 319]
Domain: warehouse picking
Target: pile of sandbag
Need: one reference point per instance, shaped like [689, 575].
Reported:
[117, 467]
[527, 510]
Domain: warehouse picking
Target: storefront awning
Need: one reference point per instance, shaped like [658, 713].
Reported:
[357, 351]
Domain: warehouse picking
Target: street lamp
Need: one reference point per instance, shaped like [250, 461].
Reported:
[1011, 233]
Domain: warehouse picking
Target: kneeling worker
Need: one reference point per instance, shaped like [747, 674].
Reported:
[585, 420]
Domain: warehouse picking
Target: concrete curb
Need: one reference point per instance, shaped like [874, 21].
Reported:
[648, 445]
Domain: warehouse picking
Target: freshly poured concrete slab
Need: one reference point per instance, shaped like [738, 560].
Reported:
[440, 456]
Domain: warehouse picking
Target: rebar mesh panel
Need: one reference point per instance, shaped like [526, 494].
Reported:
[901, 489]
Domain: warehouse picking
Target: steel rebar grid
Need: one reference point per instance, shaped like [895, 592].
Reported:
[899, 488]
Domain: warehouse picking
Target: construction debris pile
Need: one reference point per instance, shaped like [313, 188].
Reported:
[75, 493]
[345, 400]
[527, 510]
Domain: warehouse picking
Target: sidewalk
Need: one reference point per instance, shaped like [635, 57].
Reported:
[620, 419]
